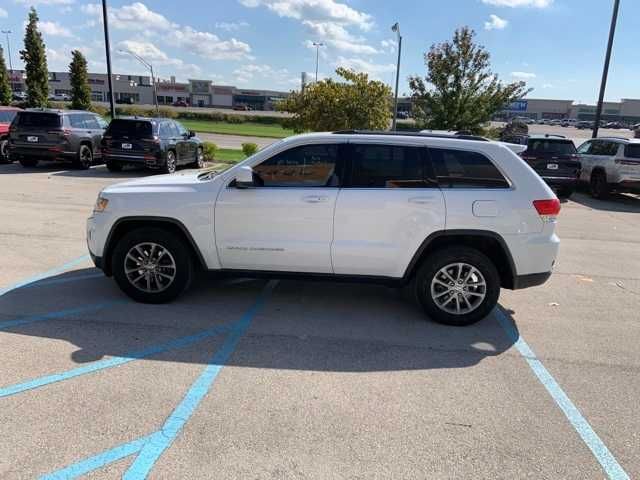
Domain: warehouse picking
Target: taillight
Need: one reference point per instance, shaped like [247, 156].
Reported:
[547, 209]
[154, 139]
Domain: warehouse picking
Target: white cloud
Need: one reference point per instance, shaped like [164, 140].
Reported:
[247, 73]
[54, 29]
[389, 45]
[139, 18]
[230, 26]
[3, 13]
[375, 70]
[523, 75]
[315, 10]
[495, 23]
[548, 85]
[519, 3]
[337, 36]
[151, 53]
[34, 3]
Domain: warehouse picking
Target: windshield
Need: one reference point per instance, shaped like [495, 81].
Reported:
[7, 116]
[38, 119]
[130, 128]
[558, 147]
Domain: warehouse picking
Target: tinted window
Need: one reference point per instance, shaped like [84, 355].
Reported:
[387, 166]
[130, 128]
[168, 130]
[632, 150]
[91, 122]
[7, 116]
[557, 147]
[76, 120]
[600, 147]
[308, 166]
[37, 119]
[465, 169]
[181, 130]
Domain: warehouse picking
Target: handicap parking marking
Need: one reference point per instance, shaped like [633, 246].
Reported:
[114, 361]
[49, 273]
[7, 324]
[151, 447]
[606, 459]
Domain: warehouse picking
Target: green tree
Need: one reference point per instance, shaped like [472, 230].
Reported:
[79, 78]
[35, 63]
[5, 86]
[460, 92]
[357, 103]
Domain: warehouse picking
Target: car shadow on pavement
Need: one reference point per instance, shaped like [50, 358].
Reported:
[65, 169]
[302, 325]
[617, 202]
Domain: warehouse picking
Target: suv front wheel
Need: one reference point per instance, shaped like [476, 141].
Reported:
[152, 265]
[457, 286]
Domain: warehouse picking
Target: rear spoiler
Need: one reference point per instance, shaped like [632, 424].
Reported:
[514, 147]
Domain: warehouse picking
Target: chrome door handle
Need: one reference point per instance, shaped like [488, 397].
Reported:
[315, 198]
[421, 200]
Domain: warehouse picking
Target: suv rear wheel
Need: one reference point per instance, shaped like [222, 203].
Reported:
[170, 164]
[199, 163]
[457, 286]
[599, 187]
[4, 151]
[152, 265]
[84, 159]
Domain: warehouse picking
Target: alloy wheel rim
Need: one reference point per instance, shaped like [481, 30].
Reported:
[150, 267]
[200, 158]
[171, 162]
[458, 288]
[85, 156]
[3, 149]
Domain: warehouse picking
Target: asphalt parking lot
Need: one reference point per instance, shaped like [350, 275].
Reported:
[289, 379]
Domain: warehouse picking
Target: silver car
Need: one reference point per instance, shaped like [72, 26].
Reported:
[610, 164]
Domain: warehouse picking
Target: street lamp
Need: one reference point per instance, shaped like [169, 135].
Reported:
[396, 28]
[605, 70]
[317, 45]
[7, 32]
[150, 67]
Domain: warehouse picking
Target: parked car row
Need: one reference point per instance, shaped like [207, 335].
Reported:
[36, 135]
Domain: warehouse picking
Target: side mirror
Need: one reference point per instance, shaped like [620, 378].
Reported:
[244, 177]
[191, 134]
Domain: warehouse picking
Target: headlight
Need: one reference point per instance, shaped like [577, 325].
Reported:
[101, 205]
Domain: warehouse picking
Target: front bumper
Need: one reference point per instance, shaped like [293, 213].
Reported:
[530, 280]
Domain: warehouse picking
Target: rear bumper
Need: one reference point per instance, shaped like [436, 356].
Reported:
[41, 153]
[149, 161]
[530, 280]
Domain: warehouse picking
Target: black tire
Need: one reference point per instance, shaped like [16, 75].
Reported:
[178, 252]
[4, 151]
[171, 163]
[565, 192]
[113, 166]
[84, 159]
[440, 259]
[28, 162]
[200, 161]
[599, 188]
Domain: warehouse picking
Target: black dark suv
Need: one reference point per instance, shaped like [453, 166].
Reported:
[156, 143]
[555, 159]
[56, 135]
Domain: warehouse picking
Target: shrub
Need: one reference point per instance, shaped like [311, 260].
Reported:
[209, 149]
[249, 149]
[100, 110]
[235, 119]
[166, 113]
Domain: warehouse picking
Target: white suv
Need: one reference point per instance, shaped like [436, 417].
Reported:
[455, 217]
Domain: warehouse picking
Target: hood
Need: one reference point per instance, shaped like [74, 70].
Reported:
[185, 179]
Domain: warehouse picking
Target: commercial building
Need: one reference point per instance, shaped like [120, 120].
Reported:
[139, 90]
[626, 110]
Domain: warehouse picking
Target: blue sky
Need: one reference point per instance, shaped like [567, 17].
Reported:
[556, 46]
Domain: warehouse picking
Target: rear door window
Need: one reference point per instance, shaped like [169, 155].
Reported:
[38, 120]
[130, 128]
[387, 166]
[76, 120]
[604, 148]
[632, 150]
[465, 169]
[90, 122]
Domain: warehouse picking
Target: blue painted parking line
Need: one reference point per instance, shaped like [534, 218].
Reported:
[59, 281]
[152, 446]
[606, 459]
[49, 273]
[113, 361]
[56, 315]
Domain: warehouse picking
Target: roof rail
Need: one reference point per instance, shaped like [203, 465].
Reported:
[612, 137]
[411, 134]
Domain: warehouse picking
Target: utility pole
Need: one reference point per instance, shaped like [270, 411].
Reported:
[7, 32]
[317, 45]
[605, 70]
[396, 28]
[107, 46]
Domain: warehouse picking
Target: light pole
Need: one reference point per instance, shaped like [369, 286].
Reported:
[605, 70]
[317, 45]
[396, 28]
[7, 32]
[153, 79]
[107, 47]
